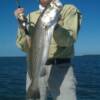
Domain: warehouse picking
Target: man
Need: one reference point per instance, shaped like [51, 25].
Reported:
[59, 80]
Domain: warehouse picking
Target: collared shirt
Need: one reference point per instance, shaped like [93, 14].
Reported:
[64, 36]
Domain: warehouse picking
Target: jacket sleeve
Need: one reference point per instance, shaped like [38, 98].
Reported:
[21, 39]
[68, 26]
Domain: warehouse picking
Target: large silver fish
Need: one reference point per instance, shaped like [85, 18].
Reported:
[41, 39]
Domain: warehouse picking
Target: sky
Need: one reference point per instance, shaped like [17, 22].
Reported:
[87, 41]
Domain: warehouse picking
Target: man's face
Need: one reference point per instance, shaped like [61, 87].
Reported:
[44, 2]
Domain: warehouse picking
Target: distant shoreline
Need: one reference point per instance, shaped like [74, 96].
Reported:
[75, 56]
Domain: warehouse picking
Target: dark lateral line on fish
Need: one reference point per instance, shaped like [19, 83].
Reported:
[58, 7]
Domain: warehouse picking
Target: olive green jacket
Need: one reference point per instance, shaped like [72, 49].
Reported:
[64, 36]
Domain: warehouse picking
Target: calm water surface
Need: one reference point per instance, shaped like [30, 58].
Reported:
[13, 71]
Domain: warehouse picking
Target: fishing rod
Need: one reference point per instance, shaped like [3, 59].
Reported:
[22, 22]
[18, 4]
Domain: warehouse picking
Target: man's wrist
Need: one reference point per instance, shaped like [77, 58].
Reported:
[23, 27]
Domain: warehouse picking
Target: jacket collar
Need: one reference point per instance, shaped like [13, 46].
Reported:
[41, 8]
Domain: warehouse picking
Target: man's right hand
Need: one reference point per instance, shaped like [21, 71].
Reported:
[19, 13]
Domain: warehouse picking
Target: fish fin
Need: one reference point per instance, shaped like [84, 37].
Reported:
[33, 93]
[43, 72]
[36, 94]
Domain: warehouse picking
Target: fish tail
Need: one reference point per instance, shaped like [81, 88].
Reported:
[36, 94]
[33, 93]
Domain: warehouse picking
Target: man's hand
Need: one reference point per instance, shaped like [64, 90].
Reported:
[19, 13]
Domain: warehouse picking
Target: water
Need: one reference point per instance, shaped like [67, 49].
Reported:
[12, 78]
[13, 75]
[87, 69]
